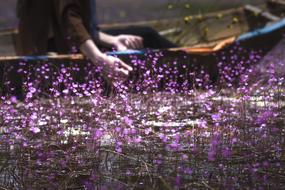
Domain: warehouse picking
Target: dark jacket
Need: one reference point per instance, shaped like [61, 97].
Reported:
[66, 21]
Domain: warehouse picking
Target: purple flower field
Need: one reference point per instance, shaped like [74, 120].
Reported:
[193, 134]
[174, 124]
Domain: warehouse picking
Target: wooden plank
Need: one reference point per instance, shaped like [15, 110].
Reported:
[259, 12]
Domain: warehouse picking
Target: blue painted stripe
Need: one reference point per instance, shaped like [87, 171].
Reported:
[34, 58]
[45, 58]
[114, 53]
[262, 31]
[127, 52]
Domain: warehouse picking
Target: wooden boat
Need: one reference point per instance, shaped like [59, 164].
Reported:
[203, 39]
[199, 33]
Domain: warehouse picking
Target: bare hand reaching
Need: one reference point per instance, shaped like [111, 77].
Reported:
[113, 68]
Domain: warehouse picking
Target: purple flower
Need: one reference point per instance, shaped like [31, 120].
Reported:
[128, 121]
[216, 117]
[188, 171]
[226, 153]
[119, 149]
[212, 155]
[178, 181]
[118, 129]
[138, 139]
[13, 99]
[35, 130]
[98, 134]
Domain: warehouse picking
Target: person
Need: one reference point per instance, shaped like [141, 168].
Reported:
[65, 26]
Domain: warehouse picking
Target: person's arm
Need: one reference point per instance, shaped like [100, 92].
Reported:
[70, 20]
[112, 67]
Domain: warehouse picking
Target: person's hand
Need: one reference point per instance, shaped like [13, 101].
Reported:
[113, 68]
[125, 42]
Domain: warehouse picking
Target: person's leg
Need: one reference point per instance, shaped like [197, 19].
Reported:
[152, 39]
